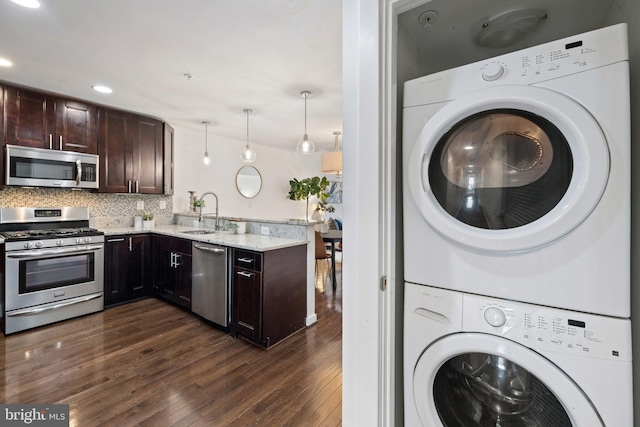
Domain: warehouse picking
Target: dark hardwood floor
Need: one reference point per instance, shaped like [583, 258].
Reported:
[149, 363]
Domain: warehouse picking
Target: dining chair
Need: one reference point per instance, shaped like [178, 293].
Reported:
[321, 254]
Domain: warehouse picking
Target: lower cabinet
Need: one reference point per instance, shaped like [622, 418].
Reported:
[269, 294]
[126, 270]
[172, 269]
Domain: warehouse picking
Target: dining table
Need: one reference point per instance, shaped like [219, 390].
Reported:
[333, 237]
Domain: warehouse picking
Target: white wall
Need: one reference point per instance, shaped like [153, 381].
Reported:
[276, 167]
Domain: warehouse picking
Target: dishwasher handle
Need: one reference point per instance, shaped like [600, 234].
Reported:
[210, 249]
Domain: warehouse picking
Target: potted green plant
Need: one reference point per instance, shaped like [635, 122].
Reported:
[147, 220]
[307, 187]
[231, 227]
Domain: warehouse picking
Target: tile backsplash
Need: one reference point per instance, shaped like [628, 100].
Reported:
[105, 210]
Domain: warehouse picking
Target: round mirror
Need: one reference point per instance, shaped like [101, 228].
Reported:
[248, 181]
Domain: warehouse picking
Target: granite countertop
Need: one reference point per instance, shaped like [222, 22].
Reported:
[254, 242]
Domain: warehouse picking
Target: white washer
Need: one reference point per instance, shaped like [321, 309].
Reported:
[516, 175]
[473, 361]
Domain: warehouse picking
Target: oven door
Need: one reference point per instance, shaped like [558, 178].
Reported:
[41, 276]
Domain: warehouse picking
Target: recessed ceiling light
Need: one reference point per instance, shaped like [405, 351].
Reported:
[102, 89]
[5, 63]
[31, 4]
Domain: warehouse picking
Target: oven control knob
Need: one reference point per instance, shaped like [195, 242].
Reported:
[38, 244]
[87, 239]
[495, 317]
[28, 245]
[78, 240]
[59, 242]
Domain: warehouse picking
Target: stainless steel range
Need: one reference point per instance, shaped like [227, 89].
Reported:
[53, 266]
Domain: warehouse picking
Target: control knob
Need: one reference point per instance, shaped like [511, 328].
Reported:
[495, 317]
[28, 245]
[59, 242]
[492, 71]
[38, 244]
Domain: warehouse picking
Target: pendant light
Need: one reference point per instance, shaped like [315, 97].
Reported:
[206, 159]
[248, 155]
[332, 160]
[304, 145]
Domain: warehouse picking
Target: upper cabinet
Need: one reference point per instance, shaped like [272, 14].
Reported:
[131, 152]
[36, 119]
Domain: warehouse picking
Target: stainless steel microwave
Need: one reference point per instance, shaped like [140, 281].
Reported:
[38, 167]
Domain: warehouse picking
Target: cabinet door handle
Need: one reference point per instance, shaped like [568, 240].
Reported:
[247, 260]
[60, 142]
[115, 240]
[129, 182]
[50, 141]
[177, 263]
[245, 274]
[130, 244]
[70, 144]
[137, 186]
[173, 260]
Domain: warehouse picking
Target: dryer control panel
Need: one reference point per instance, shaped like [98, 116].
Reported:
[544, 328]
[558, 58]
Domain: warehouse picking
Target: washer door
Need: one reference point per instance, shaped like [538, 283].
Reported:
[508, 169]
[473, 379]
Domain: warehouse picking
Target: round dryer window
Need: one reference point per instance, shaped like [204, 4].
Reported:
[508, 168]
[477, 380]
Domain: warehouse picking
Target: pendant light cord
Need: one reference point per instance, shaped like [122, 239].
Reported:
[248, 112]
[305, 113]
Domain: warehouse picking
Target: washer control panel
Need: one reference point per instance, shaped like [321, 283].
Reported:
[546, 328]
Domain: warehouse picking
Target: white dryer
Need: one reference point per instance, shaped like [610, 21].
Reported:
[472, 361]
[516, 175]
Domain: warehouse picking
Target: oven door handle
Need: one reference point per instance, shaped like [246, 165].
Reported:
[37, 310]
[44, 252]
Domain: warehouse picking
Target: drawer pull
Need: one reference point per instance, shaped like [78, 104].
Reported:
[248, 260]
[245, 274]
[246, 325]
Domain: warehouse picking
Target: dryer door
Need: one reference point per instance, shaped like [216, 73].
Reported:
[473, 379]
[508, 169]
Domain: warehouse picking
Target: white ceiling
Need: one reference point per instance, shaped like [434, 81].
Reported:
[257, 54]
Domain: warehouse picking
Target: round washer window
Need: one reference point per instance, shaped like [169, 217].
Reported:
[500, 169]
[478, 380]
[479, 389]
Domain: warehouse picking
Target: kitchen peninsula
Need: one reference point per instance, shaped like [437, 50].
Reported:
[265, 280]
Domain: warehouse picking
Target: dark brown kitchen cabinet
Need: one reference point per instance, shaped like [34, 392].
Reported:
[131, 152]
[127, 272]
[269, 292]
[2, 138]
[172, 269]
[36, 119]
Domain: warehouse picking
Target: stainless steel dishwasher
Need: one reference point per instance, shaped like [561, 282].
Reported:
[209, 286]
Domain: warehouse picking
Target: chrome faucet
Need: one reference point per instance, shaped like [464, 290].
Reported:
[201, 199]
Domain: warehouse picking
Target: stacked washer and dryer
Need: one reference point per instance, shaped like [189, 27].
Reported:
[516, 177]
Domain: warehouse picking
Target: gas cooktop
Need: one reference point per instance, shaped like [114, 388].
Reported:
[50, 233]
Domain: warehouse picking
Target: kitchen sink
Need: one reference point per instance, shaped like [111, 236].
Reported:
[199, 231]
